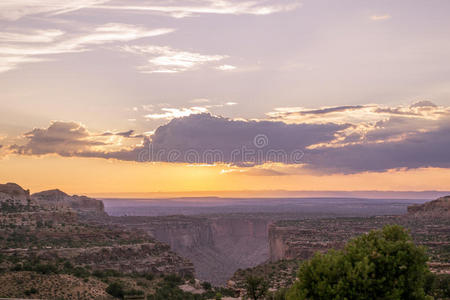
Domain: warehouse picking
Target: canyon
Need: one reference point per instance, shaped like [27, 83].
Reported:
[221, 241]
[219, 244]
[216, 245]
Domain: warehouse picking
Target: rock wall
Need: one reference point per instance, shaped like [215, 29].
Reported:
[300, 239]
[217, 245]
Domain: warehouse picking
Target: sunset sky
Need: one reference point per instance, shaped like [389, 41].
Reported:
[134, 96]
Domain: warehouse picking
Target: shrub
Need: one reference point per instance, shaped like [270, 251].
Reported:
[438, 285]
[256, 287]
[31, 291]
[116, 289]
[206, 285]
[383, 264]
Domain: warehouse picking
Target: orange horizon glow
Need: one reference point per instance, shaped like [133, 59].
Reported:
[99, 177]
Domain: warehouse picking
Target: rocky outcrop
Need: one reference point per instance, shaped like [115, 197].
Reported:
[300, 239]
[14, 194]
[436, 208]
[56, 199]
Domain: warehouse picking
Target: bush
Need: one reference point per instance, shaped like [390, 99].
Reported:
[106, 273]
[438, 285]
[281, 294]
[256, 287]
[383, 264]
[115, 289]
[45, 269]
[134, 292]
[31, 291]
[149, 276]
[173, 279]
[206, 285]
[80, 272]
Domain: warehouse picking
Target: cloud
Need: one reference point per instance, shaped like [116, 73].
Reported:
[197, 138]
[423, 103]
[33, 36]
[31, 45]
[181, 9]
[169, 60]
[19, 48]
[420, 149]
[64, 138]
[70, 139]
[170, 113]
[380, 17]
[15, 9]
[226, 68]
[357, 114]
[11, 62]
[419, 139]
[200, 100]
[126, 134]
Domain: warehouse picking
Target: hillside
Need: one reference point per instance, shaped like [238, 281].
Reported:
[46, 237]
[439, 208]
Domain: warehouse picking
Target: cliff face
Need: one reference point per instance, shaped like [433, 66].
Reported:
[56, 199]
[437, 208]
[217, 245]
[301, 239]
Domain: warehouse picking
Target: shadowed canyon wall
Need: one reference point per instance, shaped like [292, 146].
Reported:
[217, 245]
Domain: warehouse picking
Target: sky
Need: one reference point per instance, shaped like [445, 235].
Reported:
[128, 96]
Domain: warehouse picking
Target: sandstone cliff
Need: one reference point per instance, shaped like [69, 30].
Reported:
[56, 199]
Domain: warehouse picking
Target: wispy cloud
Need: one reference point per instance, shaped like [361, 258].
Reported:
[18, 48]
[170, 60]
[380, 17]
[11, 62]
[180, 9]
[171, 113]
[33, 36]
[200, 100]
[226, 68]
[357, 114]
[16, 9]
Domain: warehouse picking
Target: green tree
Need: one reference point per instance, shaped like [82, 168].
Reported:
[383, 264]
[256, 287]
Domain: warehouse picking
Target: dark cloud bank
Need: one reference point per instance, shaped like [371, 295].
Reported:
[204, 138]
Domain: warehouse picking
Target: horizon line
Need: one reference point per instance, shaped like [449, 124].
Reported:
[370, 194]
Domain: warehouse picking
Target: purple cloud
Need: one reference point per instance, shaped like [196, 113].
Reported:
[399, 141]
